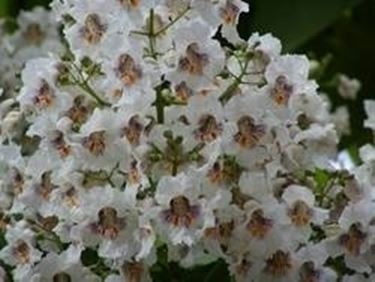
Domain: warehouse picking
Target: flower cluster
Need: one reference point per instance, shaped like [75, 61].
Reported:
[141, 130]
[37, 35]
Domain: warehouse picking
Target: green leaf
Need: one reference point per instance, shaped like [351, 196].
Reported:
[293, 21]
[4, 8]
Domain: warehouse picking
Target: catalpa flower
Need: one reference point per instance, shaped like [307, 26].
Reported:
[157, 134]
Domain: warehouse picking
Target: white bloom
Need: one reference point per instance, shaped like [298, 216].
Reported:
[98, 145]
[266, 44]
[370, 111]
[348, 88]
[95, 23]
[356, 237]
[39, 92]
[197, 61]
[301, 210]
[182, 216]
[65, 266]
[200, 150]
[287, 77]
[20, 251]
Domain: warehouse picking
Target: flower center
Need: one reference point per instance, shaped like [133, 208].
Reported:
[209, 129]
[34, 34]
[4, 221]
[78, 113]
[308, 273]
[93, 29]
[353, 239]
[180, 206]
[22, 252]
[224, 170]
[61, 277]
[109, 224]
[60, 145]
[248, 134]
[127, 70]
[194, 61]
[133, 4]
[300, 213]
[71, 198]
[45, 187]
[282, 91]
[279, 264]
[134, 130]
[133, 271]
[95, 143]
[226, 229]
[183, 92]
[17, 181]
[221, 232]
[134, 176]
[243, 267]
[259, 226]
[229, 13]
[216, 174]
[181, 213]
[45, 95]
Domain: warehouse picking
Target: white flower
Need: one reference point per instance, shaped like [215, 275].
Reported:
[37, 35]
[370, 111]
[95, 23]
[98, 145]
[312, 259]
[108, 222]
[205, 116]
[200, 150]
[301, 210]
[266, 44]
[182, 215]
[131, 271]
[64, 266]
[197, 61]
[20, 251]
[262, 231]
[126, 73]
[341, 119]
[287, 77]
[358, 278]
[356, 237]
[247, 129]
[348, 88]
[229, 13]
[39, 92]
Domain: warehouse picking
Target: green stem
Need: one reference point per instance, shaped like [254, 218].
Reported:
[152, 36]
[143, 33]
[49, 235]
[228, 93]
[159, 104]
[83, 84]
[175, 164]
[167, 26]
[87, 88]
[164, 28]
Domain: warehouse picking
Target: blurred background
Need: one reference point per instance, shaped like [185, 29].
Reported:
[339, 32]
